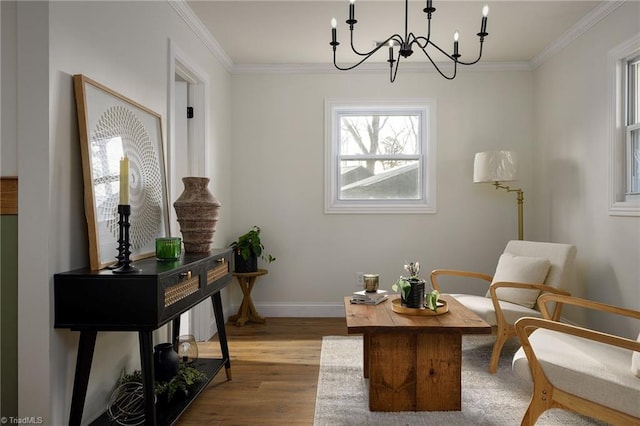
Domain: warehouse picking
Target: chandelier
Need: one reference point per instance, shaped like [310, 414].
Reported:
[408, 42]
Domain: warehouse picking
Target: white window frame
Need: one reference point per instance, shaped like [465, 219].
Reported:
[621, 203]
[426, 108]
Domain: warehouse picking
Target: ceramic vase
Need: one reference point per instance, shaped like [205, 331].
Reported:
[197, 210]
[165, 362]
[415, 298]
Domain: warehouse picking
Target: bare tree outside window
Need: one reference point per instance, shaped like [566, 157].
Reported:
[380, 156]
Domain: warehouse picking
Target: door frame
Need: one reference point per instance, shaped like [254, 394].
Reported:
[200, 318]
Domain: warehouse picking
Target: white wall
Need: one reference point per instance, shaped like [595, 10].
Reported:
[123, 45]
[572, 159]
[278, 166]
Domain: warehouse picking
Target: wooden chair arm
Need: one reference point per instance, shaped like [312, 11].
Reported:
[527, 286]
[526, 325]
[589, 304]
[454, 272]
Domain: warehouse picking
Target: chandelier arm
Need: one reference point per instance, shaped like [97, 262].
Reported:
[394, 37]
[477, 59]
[455, 67]
[335, 64]
[424, 50]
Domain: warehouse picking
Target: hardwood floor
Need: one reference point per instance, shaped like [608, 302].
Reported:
[274, 369]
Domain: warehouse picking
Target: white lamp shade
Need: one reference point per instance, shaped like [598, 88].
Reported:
[495, 166]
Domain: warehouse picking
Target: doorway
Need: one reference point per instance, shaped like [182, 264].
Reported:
[187, 156]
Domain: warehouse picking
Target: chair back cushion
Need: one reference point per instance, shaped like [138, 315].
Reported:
[561, 259]
[520, 269]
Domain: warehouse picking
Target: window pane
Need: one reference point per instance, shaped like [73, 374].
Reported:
[634, 91]
[379, 134]
[635, 161]
[376, 179]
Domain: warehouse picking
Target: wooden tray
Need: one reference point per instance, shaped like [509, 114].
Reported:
[442, 308]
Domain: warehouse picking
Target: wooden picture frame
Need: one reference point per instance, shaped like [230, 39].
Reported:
[112, 126]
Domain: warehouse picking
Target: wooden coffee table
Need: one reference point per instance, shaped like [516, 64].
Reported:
[414, 363]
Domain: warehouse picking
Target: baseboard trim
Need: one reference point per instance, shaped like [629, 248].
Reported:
[297, 310]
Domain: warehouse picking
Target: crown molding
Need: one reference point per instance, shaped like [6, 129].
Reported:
[376, 68]
[200, 30]
[592, 18]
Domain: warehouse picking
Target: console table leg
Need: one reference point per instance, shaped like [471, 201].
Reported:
[216, 300]
[175, 332]
[146, 360]
[86, 346]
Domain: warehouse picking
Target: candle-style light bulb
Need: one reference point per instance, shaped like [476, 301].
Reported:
[391, 51]
[334, 43]
[483, 27]
[456, 36]
[352, 11]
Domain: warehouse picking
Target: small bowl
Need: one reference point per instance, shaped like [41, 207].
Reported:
[168, 249]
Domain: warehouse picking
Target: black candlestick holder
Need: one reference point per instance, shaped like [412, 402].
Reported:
[124, 265]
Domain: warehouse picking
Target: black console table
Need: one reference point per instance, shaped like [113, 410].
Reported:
[91, 301]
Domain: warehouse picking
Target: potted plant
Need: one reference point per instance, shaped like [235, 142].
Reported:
[412, 289]
[246, 250]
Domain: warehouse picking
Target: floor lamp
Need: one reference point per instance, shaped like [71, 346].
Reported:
[497, 167]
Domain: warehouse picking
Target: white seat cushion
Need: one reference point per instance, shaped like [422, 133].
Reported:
[592, 370]
[483, 307]
[520, 269]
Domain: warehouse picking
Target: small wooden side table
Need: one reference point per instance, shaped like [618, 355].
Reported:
[247, 311]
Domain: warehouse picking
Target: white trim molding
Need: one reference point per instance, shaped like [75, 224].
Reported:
[425, 109]
[376, 68]
[200, 30]
[592, 18]
[620, 204]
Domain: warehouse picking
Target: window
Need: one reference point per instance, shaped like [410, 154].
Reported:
[633, 125]
[624, 119]
[380, 157]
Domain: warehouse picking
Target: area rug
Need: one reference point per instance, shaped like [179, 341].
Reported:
[487, 399]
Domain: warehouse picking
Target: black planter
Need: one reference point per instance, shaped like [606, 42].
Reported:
[415, 298]
[165, 362]
[242, 265]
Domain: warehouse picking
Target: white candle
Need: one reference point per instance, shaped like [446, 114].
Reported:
[124, 180]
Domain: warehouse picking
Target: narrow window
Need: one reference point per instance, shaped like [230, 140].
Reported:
[624, 121]
[633, 126]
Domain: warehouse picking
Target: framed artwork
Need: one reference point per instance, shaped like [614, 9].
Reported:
[113, 127]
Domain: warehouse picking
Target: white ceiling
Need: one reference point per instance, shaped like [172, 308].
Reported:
[267, 32]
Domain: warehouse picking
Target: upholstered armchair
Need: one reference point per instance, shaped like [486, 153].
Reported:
[574, 368]
[524, 270]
